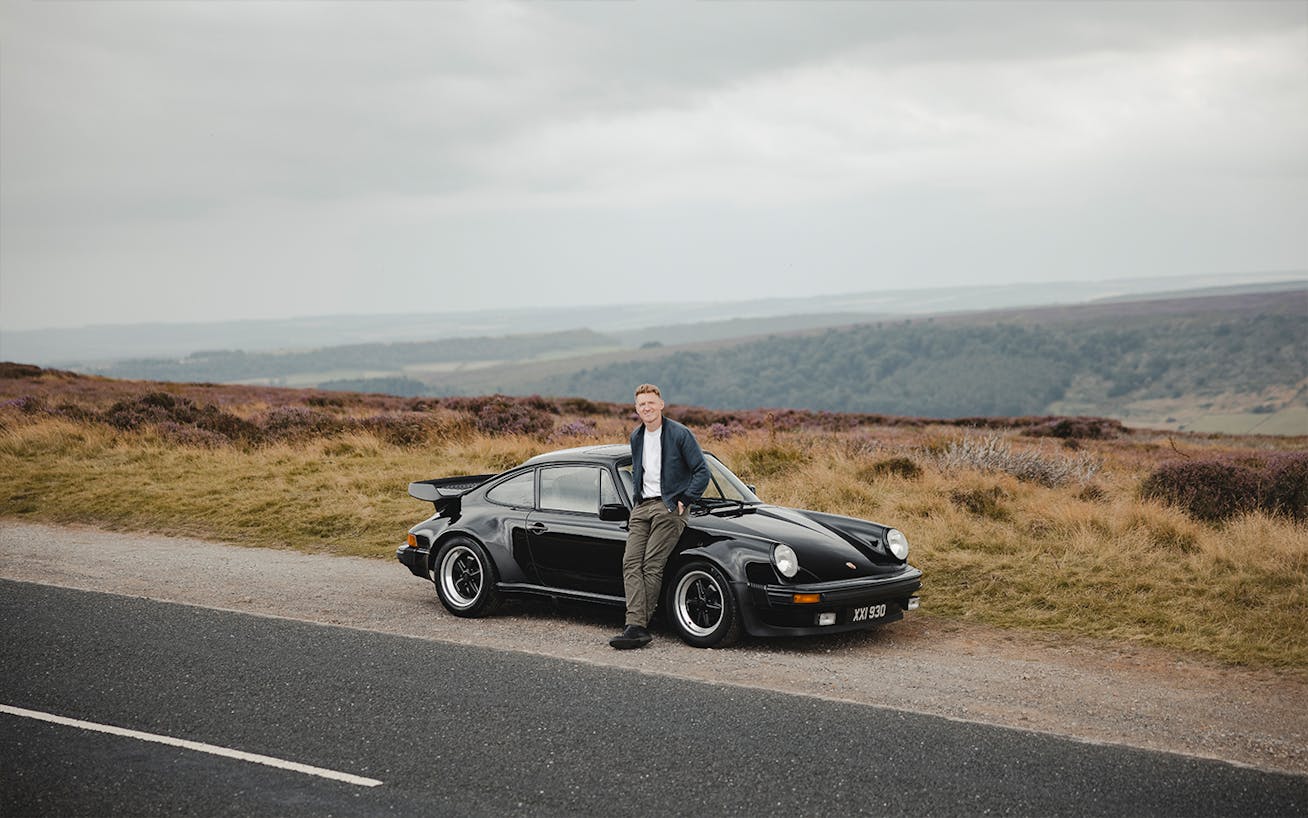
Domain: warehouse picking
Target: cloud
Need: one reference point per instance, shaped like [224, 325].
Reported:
[280, 158]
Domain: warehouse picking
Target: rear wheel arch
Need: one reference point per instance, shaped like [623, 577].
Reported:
[465, 576]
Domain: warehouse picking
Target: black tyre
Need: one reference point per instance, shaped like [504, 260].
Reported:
[465, 578]
[700, 607]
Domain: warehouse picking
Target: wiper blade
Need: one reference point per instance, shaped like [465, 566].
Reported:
[713, 503]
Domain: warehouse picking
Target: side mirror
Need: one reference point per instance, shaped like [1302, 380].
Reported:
[614, 513]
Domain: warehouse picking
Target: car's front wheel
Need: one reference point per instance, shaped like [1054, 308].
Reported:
[465, 578]
[701, 607]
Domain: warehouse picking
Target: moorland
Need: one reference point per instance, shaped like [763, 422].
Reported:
[1070, 525]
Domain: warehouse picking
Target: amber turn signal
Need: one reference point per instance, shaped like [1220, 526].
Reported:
[806, 599]
[413, 541]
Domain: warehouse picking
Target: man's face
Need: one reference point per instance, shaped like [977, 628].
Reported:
[649, 407]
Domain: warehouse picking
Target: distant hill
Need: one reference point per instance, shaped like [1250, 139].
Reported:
[681, 319]
[1228, 359]
[232, 366]
[1246, 354]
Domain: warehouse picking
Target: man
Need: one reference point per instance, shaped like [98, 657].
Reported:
[669, 473]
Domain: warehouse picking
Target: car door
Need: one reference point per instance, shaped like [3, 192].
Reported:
[571, 547]
[517, 497]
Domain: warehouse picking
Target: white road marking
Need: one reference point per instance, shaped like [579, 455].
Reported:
[201, 747]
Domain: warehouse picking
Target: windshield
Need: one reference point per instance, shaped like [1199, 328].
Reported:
[723, 485]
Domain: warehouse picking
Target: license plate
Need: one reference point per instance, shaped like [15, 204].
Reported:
[867, 613]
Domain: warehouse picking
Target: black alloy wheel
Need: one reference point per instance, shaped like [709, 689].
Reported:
[465, 578]
[701, 607]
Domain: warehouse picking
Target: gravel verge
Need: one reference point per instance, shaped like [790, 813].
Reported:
[1087, 690]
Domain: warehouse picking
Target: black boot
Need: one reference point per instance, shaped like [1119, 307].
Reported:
[633, 636]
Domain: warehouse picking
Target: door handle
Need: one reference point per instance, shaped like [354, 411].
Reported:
[537, 528]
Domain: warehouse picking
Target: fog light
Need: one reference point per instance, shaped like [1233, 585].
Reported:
[827, 618]
[913, 603]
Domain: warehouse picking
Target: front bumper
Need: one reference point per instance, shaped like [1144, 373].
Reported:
[415, 559]
[846, 605]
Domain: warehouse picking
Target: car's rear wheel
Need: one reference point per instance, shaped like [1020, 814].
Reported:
[701, 606]
[465, 578]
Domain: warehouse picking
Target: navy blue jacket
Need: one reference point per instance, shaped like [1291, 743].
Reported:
[685, 473]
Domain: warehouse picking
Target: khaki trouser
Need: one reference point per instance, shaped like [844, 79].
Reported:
[651, 535]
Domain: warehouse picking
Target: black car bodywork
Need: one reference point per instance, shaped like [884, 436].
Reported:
[556, 526]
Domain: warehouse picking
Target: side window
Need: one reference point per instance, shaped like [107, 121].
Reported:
[570, 488]
[628, 482]
[608, 491]
[516, 491]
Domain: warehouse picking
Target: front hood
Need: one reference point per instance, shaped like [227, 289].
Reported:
[826, 544]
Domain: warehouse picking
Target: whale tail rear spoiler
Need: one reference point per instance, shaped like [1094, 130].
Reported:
[445, 491]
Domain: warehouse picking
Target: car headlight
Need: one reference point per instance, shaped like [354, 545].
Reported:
[783, 556]
[898, 543]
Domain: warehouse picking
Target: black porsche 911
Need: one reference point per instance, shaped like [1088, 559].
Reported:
[556, 526]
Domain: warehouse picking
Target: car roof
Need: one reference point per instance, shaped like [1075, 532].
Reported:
[603, 453]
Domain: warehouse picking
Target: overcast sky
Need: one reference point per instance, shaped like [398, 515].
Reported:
[174, 161]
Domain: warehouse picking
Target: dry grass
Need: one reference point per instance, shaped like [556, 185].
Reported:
[1087, 557]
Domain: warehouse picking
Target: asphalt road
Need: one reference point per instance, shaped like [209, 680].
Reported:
[457, 730]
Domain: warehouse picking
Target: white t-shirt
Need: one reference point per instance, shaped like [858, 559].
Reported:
[651, 461]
